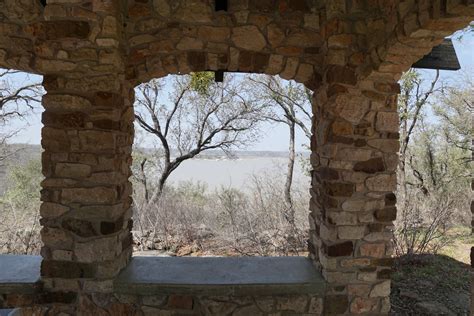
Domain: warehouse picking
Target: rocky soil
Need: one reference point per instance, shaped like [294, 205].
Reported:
[430, 285]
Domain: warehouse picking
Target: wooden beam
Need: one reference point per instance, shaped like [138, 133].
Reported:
[442, 57]
[219, 76]
[221, 5]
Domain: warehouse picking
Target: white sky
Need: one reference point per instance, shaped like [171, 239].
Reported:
[274, 137]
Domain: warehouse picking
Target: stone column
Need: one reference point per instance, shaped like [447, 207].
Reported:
[87, 141]
[86, 210]
[355, 147]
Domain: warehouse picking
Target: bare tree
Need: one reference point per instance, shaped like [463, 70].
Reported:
[411, 103]
[455, 108]
[18, 97]
[289, 103]
[189, 120]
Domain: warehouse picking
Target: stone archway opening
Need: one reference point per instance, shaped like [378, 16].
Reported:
[92, 55]
[256, 201]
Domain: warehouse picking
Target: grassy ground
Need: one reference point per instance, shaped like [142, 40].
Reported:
[434, 284]
[461, 248]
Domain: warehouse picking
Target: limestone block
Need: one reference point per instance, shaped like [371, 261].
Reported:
[52, 210]
[213, 33]
[249, 38]
[374, 250]
[97, 195]
[352, 107]
[102, 249]
[292, 303]
[382, 182]
[381, 290]
[68, 170]
[387, 122]
[189, 43]
[362, 305]
[351, 232]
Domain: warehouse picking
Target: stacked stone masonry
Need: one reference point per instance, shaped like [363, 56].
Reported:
[93, 52]
[168, 305]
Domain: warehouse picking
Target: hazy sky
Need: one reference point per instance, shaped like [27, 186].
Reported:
[274, 137]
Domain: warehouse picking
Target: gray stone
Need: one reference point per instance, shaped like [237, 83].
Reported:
[220, 276]
[19, 274]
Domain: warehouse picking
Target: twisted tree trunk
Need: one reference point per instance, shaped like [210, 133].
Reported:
[290, 214]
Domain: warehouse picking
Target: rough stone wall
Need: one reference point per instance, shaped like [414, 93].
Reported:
[353, 205]
[170, 37]
[168, 305]
[350, 53]
[87, 141]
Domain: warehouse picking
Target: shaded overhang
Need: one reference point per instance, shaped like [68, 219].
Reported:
[442, 57]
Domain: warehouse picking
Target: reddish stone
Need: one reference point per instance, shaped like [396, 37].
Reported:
[340, 250]
[341, 74]
[197, 61]
[70, 120]
[340, 189]
[373, 165]
[180, 302]
[327, 174]
[386, 215]
[335, 304]
[54, 30]
[67, 270]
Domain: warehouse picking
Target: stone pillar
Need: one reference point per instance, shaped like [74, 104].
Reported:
[355, 148]
[87, 141]
[86, 210]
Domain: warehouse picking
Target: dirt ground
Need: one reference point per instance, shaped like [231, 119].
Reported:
[434, 284]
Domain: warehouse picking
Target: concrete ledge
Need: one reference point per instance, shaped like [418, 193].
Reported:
[19, 274]
[220, 276]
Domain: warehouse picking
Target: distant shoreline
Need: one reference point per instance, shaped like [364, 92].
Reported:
[211, 154]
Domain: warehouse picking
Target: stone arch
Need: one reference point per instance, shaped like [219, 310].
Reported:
[350, 53]
[168, 38]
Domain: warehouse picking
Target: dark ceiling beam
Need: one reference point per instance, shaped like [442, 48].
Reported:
[219, 76]
[442, 57]
[221, 5]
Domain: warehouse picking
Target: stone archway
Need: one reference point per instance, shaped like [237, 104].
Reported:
[92, 54]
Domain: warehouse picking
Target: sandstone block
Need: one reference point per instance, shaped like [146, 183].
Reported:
[351, 232]
[249, 38]
[340, 250]
[374, 250]
[381, 290]
[383, 182]
[362, 305]
[97, 195]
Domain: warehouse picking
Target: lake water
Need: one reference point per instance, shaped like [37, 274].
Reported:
[235, 173]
